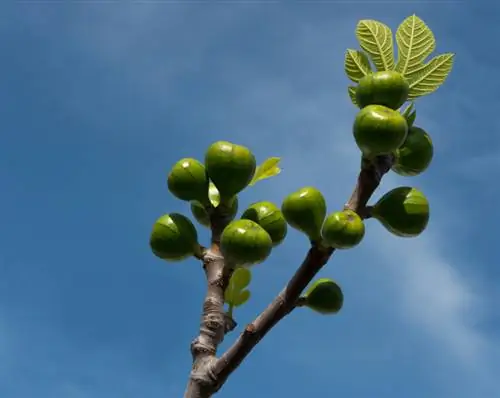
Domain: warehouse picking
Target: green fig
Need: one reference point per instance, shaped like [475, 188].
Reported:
[269, 217]
[415, 155]
[388, 88]
[174, 237]
[404, 211]
[324, 296]
[343, 229]
[379, 130]
[201, 215]
[305, 210]
[244, 242]
[231, 167]
[188, 180]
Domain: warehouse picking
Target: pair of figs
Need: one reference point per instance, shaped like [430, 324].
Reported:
[305, 210]
[228, 166]
[380, 129]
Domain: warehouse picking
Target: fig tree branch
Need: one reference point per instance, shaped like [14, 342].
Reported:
[368, 180]
[214, 321]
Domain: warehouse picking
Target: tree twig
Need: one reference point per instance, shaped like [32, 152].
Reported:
[368, 181]
[209, 373]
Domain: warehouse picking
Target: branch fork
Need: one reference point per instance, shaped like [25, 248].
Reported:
[209, 373]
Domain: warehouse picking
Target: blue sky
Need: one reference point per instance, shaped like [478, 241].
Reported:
[99, 99]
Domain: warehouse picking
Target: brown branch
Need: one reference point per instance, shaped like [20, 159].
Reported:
[215, 323]
[368, 181]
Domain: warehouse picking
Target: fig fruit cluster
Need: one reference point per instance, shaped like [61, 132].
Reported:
[305, 210]
[380, 129]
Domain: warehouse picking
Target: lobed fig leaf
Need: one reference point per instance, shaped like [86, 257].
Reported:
[230, 167]
[305, 210]
[379, 130]
[244, 243]
[388, 88]
[351, 90]
[356, 65]
[174, 237]
[324, 296]
[200, 213]
[403, 211]
[269, 168]
[343, 229]
[188, 180]
[269, 217]
[375, 38]
[415, 155]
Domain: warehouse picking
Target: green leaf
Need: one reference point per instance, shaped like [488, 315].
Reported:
[427, 78]
[356, 65]
[375, 38]
[415, 43]
[410, 114]
[241, 278]
[213, 194]
[352, 94]
[269, 168]
[241, 298]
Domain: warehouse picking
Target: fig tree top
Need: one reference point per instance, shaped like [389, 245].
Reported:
[230, 167]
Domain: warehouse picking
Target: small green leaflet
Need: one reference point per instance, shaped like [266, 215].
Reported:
[352, 94]
[415, 43]
[213, 194]
[410, 114]
[235, 294]
[427, 78]
[268, 168]
[356, 65]
[375, 38]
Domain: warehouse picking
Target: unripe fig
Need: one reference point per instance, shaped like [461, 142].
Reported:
[404, 211]
[244, 242]
[343, 229]
[379, 130]
[324, 296]
[230, 166]
[188, 180]
[415, 155]
[174, 237]
[305, 210]
[388, 88]
[201, 215]
[269, 217]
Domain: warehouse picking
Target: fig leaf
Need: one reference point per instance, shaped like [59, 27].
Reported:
[415, 43]
[375, 38]
[269, 168]
[356, 65]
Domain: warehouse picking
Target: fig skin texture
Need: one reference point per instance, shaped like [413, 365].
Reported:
[343, 229]
[415, 155]
[188, 180]
[201, 215]
[379, 130]
[269, 217]
[231, 167]
[244, 243]
[404, 211]
[388, 88]
[305, 210]
[173, 238]
[324, 296]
